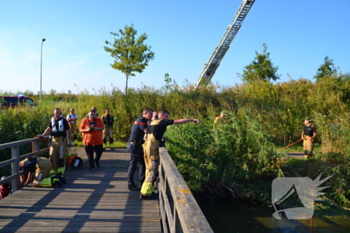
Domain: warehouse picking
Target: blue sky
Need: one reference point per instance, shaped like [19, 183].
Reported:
[183, 35]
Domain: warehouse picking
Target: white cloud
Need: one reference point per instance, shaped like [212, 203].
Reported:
[87, 55]
[74, 65]
[102, 71]
[30, 57]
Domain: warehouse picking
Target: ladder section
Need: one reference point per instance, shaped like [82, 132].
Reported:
[224, 44]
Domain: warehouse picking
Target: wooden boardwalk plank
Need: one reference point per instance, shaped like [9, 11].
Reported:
[97, 201]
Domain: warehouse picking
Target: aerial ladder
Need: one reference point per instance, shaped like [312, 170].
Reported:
[224, 44]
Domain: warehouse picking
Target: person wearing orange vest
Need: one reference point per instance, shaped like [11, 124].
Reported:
[92, 128]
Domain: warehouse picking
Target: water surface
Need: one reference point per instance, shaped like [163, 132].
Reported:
[229, 216]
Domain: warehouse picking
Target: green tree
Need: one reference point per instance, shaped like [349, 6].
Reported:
[261, 68]
[168, 83]
[130, 53]
[325, 69]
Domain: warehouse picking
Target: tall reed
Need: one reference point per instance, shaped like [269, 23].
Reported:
[262, 116]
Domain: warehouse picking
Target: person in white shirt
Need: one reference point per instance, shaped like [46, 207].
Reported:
[72, 119]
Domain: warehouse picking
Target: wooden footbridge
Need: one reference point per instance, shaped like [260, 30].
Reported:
[99, 201]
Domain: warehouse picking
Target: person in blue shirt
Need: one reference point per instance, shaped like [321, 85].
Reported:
[138, 130]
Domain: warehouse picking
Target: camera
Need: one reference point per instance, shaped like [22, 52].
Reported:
[92, 126]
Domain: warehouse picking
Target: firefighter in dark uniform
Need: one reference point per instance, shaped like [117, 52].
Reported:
[308, 135]
[108, 120]
[151, 148]
[59, 130]
[134, 146]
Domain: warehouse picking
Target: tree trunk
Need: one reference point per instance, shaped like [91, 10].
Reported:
[126, 84]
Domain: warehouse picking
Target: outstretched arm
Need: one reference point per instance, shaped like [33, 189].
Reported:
[182, 121]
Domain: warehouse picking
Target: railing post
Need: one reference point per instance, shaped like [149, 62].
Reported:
[36, 147]
[15, 167]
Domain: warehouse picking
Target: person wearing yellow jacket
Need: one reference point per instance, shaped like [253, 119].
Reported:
[151, 148]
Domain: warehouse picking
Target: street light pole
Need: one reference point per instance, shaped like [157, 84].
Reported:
[41, 67]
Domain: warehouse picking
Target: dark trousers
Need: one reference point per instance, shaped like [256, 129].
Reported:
[90, 154]
[134, 160]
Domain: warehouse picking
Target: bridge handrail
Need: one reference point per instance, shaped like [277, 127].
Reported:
[16, 158]
[179, 210]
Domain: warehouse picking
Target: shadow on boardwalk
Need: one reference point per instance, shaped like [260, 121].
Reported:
[97, 201]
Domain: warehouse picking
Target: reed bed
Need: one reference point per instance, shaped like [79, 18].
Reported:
[237, 157]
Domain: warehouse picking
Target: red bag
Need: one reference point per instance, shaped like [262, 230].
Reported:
[75, 162]
[4, 192]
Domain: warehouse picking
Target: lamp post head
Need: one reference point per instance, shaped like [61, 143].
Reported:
[43, 40]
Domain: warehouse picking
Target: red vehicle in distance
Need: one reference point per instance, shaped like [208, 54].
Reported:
[16, 101]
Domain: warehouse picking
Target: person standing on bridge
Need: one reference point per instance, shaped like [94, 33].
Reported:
[92, 138]
[94, 109]
[151, 148]
[59, 130]
[155, 117]
[108, 120]
[72, 119]
[138, 130]
[308, 135]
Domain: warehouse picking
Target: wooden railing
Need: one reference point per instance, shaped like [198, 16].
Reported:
[178, 208]
[16, 158]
